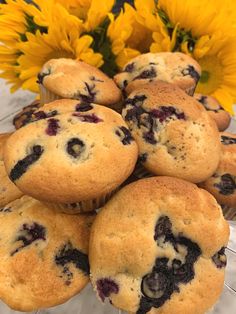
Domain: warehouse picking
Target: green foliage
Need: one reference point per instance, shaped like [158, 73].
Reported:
[32, 27]
[101, 43]
[182, 35]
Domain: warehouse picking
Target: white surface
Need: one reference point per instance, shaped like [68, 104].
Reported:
[10, 103]
[86, 302]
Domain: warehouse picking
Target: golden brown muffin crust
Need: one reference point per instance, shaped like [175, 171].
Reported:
[127, 241]
[75, 79]
[172, 67]
[43, 255]
[174, 133]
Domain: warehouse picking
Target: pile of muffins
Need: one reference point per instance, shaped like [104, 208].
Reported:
[121, 182]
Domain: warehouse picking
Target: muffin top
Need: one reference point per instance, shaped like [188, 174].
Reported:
[174, 133]
[172, 67]
[222, 184]
[43, 255]
[75, 79]
[72, 156]
[8, 191]
[216, 111]
[158, 242]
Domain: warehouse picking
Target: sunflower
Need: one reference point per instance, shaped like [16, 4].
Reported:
[128, 36]
[35, 36]
[91, 12]
[218, 62]
[15, 19]
[197, 28]
[61, 40]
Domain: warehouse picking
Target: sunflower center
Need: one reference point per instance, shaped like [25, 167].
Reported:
[211, 77]
[140, 39]
[57, 54]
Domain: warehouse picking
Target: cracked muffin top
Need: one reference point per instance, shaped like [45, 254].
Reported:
[75, 79]
[8, 191]
[215, 110]
[222, 184]
[157, 245]
[43, 255]
[68, 156]
[172, 67]
[174, 133]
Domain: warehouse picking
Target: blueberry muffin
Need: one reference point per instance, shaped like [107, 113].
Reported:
[25, 115]
[67, 78]
[215, 110]
[172, 67]
[222, 184]
[174, 133]
[157, 245]
[43, 255]
[75, 159]
[8, 191]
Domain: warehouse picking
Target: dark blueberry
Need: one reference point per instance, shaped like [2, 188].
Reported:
[31, 116]
[5, 210]
[40, 115]
[143, 157]
[91, 118]
[154, 285]
[149, 137]
[167, 112]
[125, 83]
[220, 258]
[75, 147]
[226, 140]
[43, 115]
[190, 70]
[145, 305]
[227, 184]
[147, 74]
[176, 264]
[193, 249]
[134, 114]
[52, 127]
[164, 279]
[83, 107]
[42, 75]
[51, 113]
[161, 264]
[125, 135]
[90, 96]
[68, 254]
[203, 100]
[95, 79]
[28, 234]
[23, 118]
[129, 67]
[136, 101]
[106, 287]
[163, 227]
[184, 273]
[67, 274]
[22, 165]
